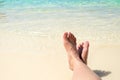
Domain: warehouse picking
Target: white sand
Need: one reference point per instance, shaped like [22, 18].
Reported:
[29, 58]
[25, 57]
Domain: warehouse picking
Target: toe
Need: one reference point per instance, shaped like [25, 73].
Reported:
[86, 44]
[65, 35]
[85, 50]
[65, 38]
[72, 38]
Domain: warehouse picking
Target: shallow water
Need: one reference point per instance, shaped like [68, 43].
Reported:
[96, 21]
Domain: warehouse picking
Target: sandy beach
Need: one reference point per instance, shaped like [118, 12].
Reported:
[25, 57]
[31, 45]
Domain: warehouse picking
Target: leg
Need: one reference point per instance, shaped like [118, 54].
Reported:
[78, 58]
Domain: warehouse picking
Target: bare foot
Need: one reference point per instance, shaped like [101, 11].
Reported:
[75, 55]
[83, 51]
[70, 46]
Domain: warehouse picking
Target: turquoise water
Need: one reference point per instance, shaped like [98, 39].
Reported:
[12, 4]
[99, 20]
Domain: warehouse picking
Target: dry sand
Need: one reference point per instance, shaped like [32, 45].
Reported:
[24, 57]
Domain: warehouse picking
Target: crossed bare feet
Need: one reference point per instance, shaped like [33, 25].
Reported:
[76, 54]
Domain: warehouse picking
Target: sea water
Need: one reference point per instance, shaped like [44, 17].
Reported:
[94, 20]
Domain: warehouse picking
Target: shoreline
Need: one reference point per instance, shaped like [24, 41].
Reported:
[31, 46]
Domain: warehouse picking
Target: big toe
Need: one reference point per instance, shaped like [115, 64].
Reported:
[65, 35]
[85, 50]
[65, 38]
